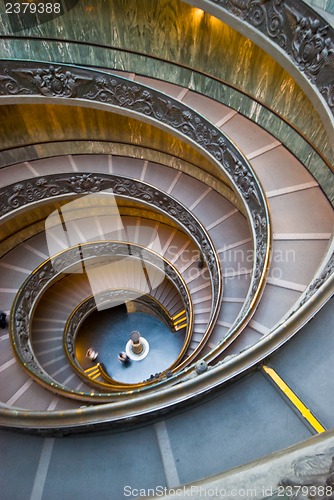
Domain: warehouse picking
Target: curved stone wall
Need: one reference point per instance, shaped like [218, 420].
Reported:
[125, 37]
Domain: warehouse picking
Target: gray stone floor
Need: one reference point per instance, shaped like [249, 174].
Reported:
[245, 422]
[307, 364]
[109, 331]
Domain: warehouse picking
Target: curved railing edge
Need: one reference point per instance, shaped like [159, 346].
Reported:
[21, 338]
[116, 385]
[166, 112]
[133, 410]
[295, 30]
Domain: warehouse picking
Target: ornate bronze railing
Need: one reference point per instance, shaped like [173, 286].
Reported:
[296, 29]
[37, 81]
[192, 387]
[15, 197]
[47, 273]
[85, 308]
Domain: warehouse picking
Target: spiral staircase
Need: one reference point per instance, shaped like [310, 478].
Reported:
[225, 195]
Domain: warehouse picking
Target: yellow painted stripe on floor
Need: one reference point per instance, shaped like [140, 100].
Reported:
[179, 314]
[306, 413]
[179, 327]
[182, 320]
[91, 368]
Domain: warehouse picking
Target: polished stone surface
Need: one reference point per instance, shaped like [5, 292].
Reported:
[101, 466]
[35, 124]
[306, 364]
[242, 423]
[188, 38]
[219, 430]
[108, 333]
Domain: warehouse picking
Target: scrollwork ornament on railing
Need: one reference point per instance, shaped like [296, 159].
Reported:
[328, 92]
[52, 81]
[28, 192]
[109, 90]
[246, 182]
[85, 183]
[237, 7]
[272, 18]
[10, 86]
[304, 36]
[33, 190]
[256, 13]
[127, 187]
[311, 46]
[260, 226]
[267, 16]
[327, 272]
[135, 97]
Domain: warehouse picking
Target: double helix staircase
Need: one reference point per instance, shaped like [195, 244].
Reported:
[248, 358]
[295, 238]
[62, 298]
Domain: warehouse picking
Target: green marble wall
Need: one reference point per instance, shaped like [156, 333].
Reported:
[174, 32]
[26, 127]
[205, 173]
[34, 131]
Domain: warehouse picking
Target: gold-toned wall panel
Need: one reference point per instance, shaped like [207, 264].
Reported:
[173, 31]
[31, 221]
[21, 125]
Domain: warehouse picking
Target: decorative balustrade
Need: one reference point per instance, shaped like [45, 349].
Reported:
[49, 271]
[65, 83]
[18, 196]
[308, 41]
[83, 310]
[36, 79]
[33, 80]
[300, 32]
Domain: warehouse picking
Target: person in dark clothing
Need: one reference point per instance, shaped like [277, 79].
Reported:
[91, 354]
[123, 358]
[3, 322]
[200, 261]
